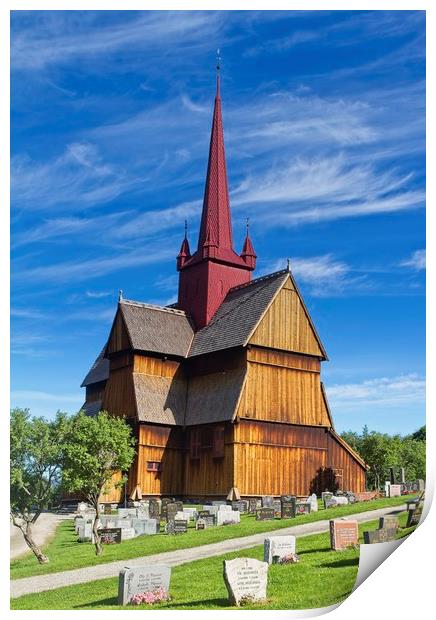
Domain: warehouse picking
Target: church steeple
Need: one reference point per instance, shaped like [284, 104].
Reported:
[208, 275]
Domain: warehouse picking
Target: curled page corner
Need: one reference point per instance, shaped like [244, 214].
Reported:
[371, 556]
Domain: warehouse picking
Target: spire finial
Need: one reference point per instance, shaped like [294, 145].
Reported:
[288, 264]
[120, 295]
[218, 68]
[186, 229]
[247, 225]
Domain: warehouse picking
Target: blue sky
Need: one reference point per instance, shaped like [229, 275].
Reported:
[324, 119]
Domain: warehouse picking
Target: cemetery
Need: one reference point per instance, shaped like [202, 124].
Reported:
[202, 584]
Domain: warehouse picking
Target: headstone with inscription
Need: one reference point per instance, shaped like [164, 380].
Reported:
[395, 490]
[326, 495]
[344, 533]
[277, 505]
[414, 515]
[227, 517]
[171, 511]
[85, 532]
[127, 533]
[211, 509]
[302, 508]
[145, 526]
[107, 510]
[124, 523]
[313, 500]
[252, 505]
[154, 509]
[178, 526]
[267, 501]
[141, 579]
[341, 500]
[288, 508]
[383, 534]
[110, 536]
[389, 522]
[265, 514]
[277, 547]
[246, 580]
[200, 524]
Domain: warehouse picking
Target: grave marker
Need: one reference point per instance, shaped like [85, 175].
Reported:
[389, 522]
[278, 547]
[395, 490]
[343, 533]
[141, 579]
[379, 536]
[178, 526]
[265, 514]
[110, 536]
[245, 579]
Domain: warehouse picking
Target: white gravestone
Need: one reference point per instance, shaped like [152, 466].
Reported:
[278, 546]
[245, 579]
[123, 523]
[229, 516]
[213, 510]
[313, 501]
[127, 533]
[340, 500]
[141, 579]
[85, 532]
[395, 490]
[145, 526]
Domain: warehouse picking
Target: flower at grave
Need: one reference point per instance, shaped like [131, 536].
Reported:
[159, 595]
[246, 600]
[228, 522]
[291, 558]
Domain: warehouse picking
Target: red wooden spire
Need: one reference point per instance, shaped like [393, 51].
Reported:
[207, 276]
[215, 219]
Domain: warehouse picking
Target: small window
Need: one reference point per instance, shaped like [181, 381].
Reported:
[195, 443]
[154, 466]
[218, 442]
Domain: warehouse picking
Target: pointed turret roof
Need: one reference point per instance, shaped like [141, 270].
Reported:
[215, 218]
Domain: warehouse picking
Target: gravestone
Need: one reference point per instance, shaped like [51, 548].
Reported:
[313, 500]
[114, 506]
[82, 507]
[387, 485]
[341, 500]
[107, 510]
[146, 526]
[200, 524]
[267, 501]
[277, 505]
[85, 532]
[392, 475]
[141, 579]
[110, 536]
[191, 512]
[288, 508]
[240, 505]
[402, 475]
[178, 526]
[245, 579]
[126, 512]
[227, 517]
[389, 522]
[276, 547]
[154, 509]
[326, 495]
[142, 511]
[252, 506]
[302, 508]
[127, 533]
[395, 490]
[421, 485]
[172, 510]
[163, 506]
[265, 514]
[203, 513]
[124, 523]
[210, 521]
[378, 536]
[213, 509]
[330, 502]
[414, 515]
[343, 533]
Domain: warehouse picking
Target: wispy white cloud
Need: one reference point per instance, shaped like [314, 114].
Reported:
[389, 392]
[98, 294]
[416, 261]
[43, 396]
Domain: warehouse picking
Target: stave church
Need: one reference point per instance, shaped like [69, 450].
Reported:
[222, 389]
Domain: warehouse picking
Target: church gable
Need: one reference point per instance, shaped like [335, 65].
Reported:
[119, 338]
[286, 324]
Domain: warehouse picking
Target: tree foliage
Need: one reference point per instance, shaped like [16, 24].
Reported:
[36, 447]
[97, 448]
[381, 451]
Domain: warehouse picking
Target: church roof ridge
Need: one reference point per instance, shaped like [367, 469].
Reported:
[140, 304]
[259, 279]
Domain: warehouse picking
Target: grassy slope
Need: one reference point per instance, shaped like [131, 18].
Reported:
[65, 553]
[322, 577]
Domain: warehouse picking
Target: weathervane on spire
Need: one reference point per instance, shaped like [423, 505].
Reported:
[218, 60]
[247, 225]
[186, 229]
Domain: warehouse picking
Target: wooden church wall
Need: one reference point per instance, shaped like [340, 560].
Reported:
[119, 396]
[160, 448]
[285, 325]
[276, 459]
[207, 475]
[283, 387]
[348, 473]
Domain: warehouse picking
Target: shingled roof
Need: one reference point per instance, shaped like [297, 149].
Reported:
[161, 400]
[214, 397]
[99, 371]
[157, 329]
[238, 315]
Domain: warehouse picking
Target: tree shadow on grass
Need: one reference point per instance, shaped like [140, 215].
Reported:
[342, 563]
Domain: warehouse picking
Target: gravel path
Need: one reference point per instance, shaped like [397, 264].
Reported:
[40, 583]
[43, 529]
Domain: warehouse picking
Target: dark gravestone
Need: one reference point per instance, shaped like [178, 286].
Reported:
[302, 508]
[210, 521]
[265, 514]
[252, 505]
[389, 522]
[392, 475]
[163, 506]
[171, 510]
[330, 503]
[177, 526]
[277, 505]
[378, 536]
[203, 513]
[414, 515]
[288, 508]
[241, 505]
[153, 509]
[110, 536]
[267, 501]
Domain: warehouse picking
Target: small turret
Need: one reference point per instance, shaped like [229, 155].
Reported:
[185, 253]
[248, 254]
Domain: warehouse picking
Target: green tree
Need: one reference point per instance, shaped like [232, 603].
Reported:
[36, 457]
[420, 434]
[97, 448]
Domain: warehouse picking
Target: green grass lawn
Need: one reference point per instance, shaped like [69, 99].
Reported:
[66, 553]
[322, 577]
